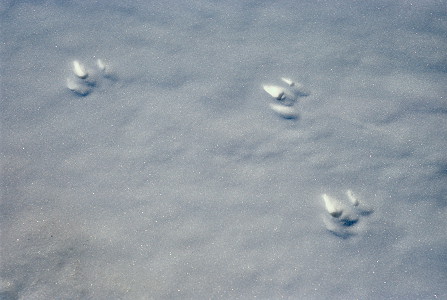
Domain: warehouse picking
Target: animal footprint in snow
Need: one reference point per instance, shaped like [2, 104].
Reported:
[286, 97]
[342, 219]
[84, 80]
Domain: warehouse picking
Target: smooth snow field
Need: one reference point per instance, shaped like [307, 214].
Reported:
[223, 149]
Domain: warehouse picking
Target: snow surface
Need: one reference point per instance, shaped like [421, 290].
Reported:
[171, 177]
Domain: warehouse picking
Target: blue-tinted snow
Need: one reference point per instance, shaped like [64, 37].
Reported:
[174, 179]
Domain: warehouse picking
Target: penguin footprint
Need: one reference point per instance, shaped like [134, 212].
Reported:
[83, 80]
[342, 219]
[286, 97]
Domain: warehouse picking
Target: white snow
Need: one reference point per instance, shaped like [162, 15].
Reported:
[79, 70]
[284, 111]
[274, 91]
[170, 176]
[332, 205]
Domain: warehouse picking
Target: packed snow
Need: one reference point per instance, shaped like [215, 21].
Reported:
[223, 149]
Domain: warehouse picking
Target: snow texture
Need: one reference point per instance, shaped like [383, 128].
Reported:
[155, 168]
